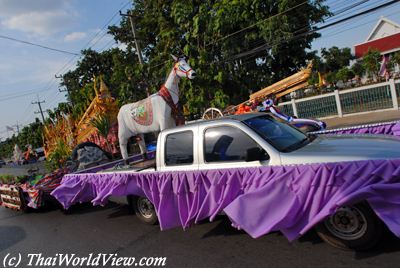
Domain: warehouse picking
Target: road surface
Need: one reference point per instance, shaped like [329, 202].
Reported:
[112, 229]
[21, 170]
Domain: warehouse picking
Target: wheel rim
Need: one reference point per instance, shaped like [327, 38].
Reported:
[348, 223]
[145, 207]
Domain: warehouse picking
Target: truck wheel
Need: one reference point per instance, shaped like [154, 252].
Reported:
[353, 227]
[144, 209]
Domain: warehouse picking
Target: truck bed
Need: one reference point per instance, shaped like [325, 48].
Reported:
[110, 166]
[133, 167]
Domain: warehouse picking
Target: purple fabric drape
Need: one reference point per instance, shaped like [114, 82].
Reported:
[291, 199]
[391, 128]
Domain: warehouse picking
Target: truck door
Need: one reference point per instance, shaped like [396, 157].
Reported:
[227, 146]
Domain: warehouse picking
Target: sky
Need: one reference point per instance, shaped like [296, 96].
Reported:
[28, 72]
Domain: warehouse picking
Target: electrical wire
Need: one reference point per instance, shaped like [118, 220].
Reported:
[37, 45]
[71, 62]
[86, 46]
[307, 26]
[21, 95]
[255, 24]
[302, 35]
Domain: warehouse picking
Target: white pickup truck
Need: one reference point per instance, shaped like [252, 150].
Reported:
[256, 139]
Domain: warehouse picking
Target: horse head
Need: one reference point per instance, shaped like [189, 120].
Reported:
[182, 68]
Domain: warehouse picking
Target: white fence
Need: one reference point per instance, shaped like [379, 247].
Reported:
[376, 97]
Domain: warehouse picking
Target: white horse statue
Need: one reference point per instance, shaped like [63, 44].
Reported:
[155, 113]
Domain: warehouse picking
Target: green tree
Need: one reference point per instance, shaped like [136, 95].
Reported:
[372, 63]
[331, 78]
[336, 58]
[393, 61]
[318, 66]
[396, 57]
[344, 74]
[103, 126]
[358, 69]
[30, 134]
[228, 66]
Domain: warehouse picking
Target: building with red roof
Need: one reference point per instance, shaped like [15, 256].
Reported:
[385, 37]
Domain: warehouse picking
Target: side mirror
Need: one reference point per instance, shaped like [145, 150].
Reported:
[256, 154]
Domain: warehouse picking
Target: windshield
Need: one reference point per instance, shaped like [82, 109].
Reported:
[283, 137]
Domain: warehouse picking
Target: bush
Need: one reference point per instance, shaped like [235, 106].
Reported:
[59, 156]
[12, 179]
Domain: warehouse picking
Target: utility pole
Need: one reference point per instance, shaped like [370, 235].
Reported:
[64, 90]
[38, 102]
[138, 50]
[17, 126]
[137, 44]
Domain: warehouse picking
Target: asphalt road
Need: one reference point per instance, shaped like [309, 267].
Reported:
[112, 229]
[21, 170]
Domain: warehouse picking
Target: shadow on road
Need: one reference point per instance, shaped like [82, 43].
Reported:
[85, 208]
[310, 237]
[16, 214]
[49, 206]
[10, 235]
[120, 211]
[389, 244]
[224, 228]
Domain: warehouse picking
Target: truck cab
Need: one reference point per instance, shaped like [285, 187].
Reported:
[227, 142]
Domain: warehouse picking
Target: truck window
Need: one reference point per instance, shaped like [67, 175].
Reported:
[225, 143]
[179, 148]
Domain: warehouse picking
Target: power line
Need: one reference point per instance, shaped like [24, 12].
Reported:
[357, 15]
[255, 24]
[357, 26]
[21, 95]
[37, 45]
[108, 45]
[69, 63]
[351, 6]
[18, 93]
[302, 35]
[306, 27]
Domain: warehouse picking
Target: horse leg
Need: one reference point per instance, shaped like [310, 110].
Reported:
[142, 145]
[123, 143]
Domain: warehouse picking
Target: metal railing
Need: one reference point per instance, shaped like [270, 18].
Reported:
[287, 109]
[318, 107]
[374, 97]
[364, 100]
[397, 87]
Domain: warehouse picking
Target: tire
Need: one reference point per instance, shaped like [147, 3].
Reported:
[143, 209]
[354, 227]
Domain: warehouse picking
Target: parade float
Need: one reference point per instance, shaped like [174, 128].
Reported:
[276, 179]
[345, 196]
[265, 99]
[290, 189]
[78, 140]
[277, 90]
[73, 132]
